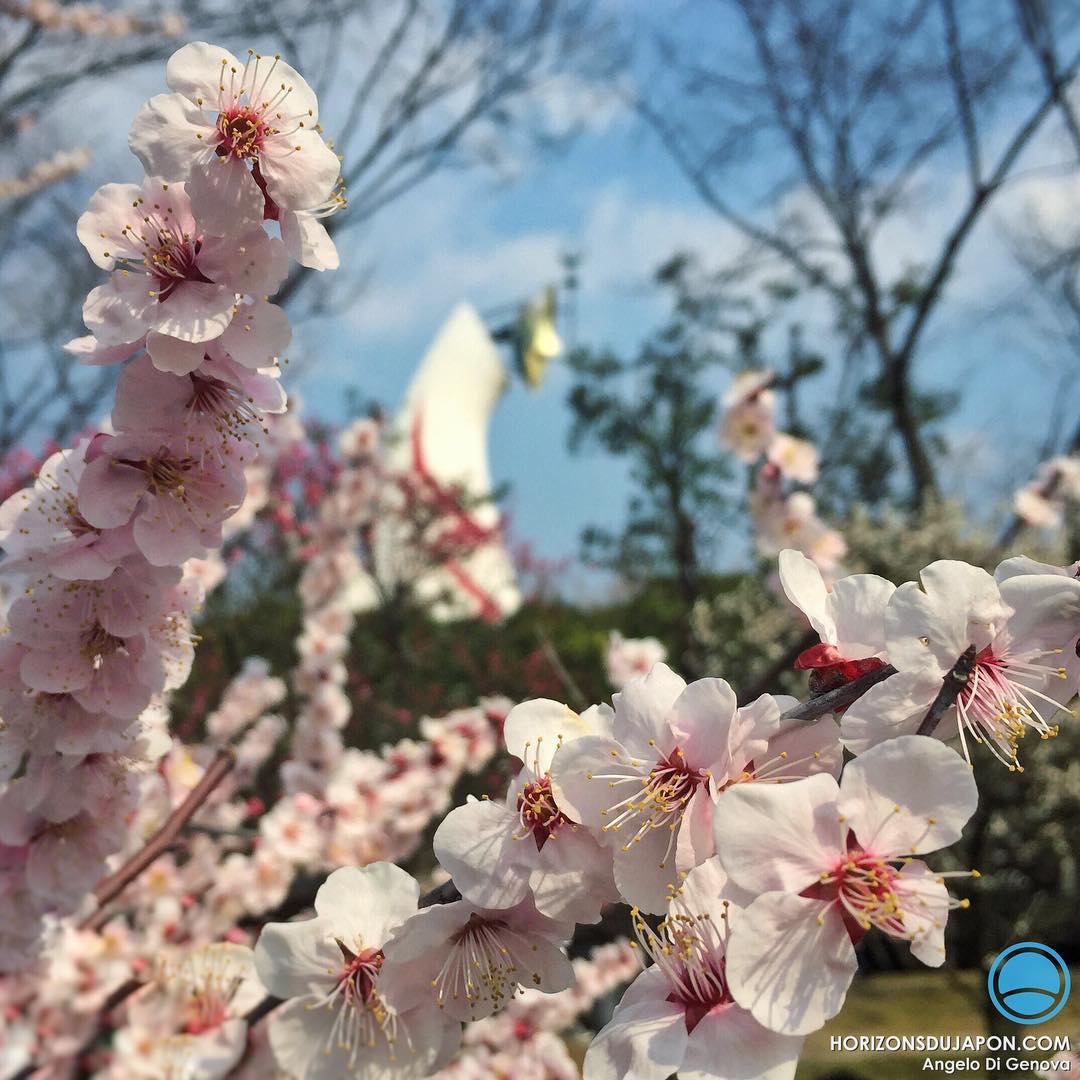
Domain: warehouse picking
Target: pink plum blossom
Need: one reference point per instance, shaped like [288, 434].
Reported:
[497, 852]
[42, 526]
[218, 402]
[650, 788]
[338, 1019]
[245, 135]
[792, 521]
[1023, 672]
[176, 491]
[827, 863]
[679, 1014]
[91, 638]
[468, 962]
[170, 281]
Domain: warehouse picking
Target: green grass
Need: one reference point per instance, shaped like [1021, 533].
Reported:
[912, 1003]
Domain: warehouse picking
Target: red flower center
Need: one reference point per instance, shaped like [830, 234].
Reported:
[242, 132]
[538, 813]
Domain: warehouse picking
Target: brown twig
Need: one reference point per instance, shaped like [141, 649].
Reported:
[261, 1009]
[950, 690]
[108, 889]
[551, 654]
[446, 893]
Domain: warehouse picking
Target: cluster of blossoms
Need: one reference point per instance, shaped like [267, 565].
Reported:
[782, 519]
[1011, 637]
[727, 823]
[331, 567]
[90, 19]
[98, 630]
[752, 859]
[765, 865]
[1041, 504]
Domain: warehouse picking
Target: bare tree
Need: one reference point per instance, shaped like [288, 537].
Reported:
[410, 87]
[854, 102]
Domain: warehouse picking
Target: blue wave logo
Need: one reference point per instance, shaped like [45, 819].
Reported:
[1028, 983]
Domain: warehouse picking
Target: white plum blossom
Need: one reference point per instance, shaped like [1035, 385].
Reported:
[338, 1020]
[629, 658]
[749, 422]
[468, 962]
[679, 1014]
[796, 459]
[42, 526]
[827, 862]
[201, 999]
[1022, 674]
[849, 619]
[499, 852]
[650, 788]
[244, 134]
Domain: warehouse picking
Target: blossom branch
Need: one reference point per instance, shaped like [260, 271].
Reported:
[840, 698]
[446, 893]
[950, 690]
[112, 886]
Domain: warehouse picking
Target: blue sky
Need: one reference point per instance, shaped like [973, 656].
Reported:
[616, 197]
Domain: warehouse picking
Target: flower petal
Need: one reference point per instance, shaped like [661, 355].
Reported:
[893, 707]
[908, 795]
[928, 628]
[642, 708]
[645, 1040]
[805, 588]
[308, 241]
[703, 721]
[475, 843]
[779, 836]
[194, 311]
[224, 196]
[534, 730]
[195, 70]
[729, 1044]
[790, 962]
[369, 901]
[258, 332]
[172, 137]
[300, 170]
[297, 958]
[173, 356]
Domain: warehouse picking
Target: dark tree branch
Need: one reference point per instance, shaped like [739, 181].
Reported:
[839, 698]
[954, 683]
[112, 886]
